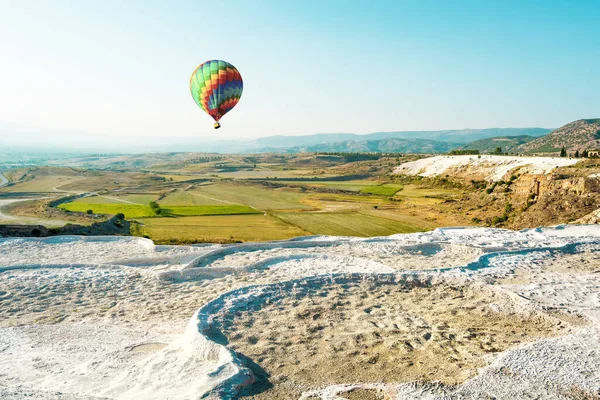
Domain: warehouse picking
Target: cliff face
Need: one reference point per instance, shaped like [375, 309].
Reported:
[553, 199]
[532, 200]
[547, 185]
[516, 192]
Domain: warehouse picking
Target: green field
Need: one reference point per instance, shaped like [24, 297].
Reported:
[130, 210]
[382, 190]
[255, 227]
[141, 211]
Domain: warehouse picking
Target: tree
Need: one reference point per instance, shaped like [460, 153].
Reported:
[463, 152]
[576, 153]
[585, 154]
[89, 212]
[498, 150]
[563, 152]
[155, 207]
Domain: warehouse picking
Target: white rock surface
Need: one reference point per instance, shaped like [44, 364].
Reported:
[158, 358]
[491, 167]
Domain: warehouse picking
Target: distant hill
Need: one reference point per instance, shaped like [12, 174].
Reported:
[583, 134]
[459, 136]
[394, 145]
[508, 144]
[23, 138]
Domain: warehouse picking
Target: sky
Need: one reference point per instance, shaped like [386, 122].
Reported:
[119, 71]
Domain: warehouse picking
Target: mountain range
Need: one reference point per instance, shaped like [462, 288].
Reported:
[20, 138]
[400, 141]
[508, 144]
[457, 136]
[392, 145]
[580, 135]
[583, 134]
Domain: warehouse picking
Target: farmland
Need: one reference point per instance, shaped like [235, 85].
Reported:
[351, 185]
[254, 196]
[382, 190]
[348, 224]
[220, 229]
[141, 211]
[223, 211]
[130, 210]
[238, 198]
[43, 184]
[118, 199]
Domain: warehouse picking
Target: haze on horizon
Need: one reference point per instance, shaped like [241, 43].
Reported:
[119, 71]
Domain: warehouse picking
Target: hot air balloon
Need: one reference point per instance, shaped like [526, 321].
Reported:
[216, 87]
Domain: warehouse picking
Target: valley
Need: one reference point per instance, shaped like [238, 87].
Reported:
[231, 198]
[237, 198]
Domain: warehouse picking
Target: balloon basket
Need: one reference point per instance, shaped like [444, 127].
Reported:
[217, 125]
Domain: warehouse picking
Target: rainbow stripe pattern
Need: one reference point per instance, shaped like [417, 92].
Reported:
[216, 87]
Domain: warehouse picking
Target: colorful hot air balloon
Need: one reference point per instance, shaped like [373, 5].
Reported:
[216, 87]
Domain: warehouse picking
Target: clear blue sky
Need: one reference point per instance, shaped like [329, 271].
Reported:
[121, 69]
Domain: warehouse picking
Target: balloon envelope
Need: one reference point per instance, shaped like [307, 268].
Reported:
[216, 87]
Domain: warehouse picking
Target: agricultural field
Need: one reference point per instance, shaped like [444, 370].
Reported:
[142, 211]
[418, 195]
[221, 229]
[348, 224]
[218, 197]
[382, 190]
[263, 172]
[129, 210]
[352, 185]
[419, 221]
[229, 209]
[59, 181]
[181, 197]
[118, 199]
[180, 178]
[43, 184]
[346, 202]
[254, 196]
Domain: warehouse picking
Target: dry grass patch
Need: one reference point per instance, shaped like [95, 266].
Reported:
[376, 332]
[577, 393]
[365, 394]
[220, 228]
